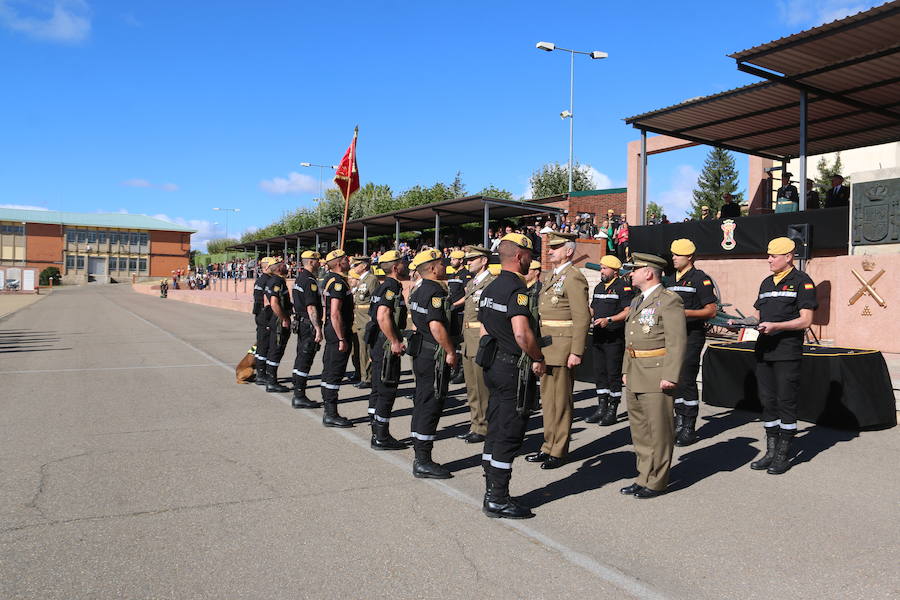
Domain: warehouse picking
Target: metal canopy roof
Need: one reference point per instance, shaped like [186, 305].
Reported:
[452, 213]
[850, 69]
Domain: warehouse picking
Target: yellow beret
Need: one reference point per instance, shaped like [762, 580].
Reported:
[518, 239]
[265, 261]
[310, 254]
[683, 247]
[335, 254]
[535, 264]
[477, 252]
[378, 271]
[558, 239]
[495, 269]
[611, 261]
[450, 270]
[457, 254]
[425, 256]
[389, 256]
[781, 245]
[352, 275]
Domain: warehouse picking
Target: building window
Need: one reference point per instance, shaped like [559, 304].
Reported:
[132, 264]
[135, 239]
[145, 238]
[82, 236]
[113, 264]
[12, 229]
[101, 237]
[70, 236]
[92, 237]
[70, 261]
[143, 265]
[113, 237]
[79, 262]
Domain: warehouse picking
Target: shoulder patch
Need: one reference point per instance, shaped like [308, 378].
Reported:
[808, 286]
[338, 286]
[436, 301]
[627, 288]
[707, 282]
[276, 288]
[522, 300]
[389, 294]
[313, 287]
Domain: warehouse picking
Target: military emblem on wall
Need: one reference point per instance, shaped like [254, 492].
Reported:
[868, 286]
[728, 227]
[876, 212]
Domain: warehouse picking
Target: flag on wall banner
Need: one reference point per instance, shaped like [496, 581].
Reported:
[347, 175]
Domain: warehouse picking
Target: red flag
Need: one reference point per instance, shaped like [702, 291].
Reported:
[347, 175]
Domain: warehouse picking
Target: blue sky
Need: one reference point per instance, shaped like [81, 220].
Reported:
[171, 108]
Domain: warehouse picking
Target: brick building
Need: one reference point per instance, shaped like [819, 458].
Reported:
[593, 203]
[91, 247]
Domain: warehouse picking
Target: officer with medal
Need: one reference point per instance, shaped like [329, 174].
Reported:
[565, 317]
[610, 303]
[457, 278]
[432, 360]
[262, 314]
[307, 325]
[388, 312]
[699, 297]
[278, 297]
[509, 350]
[476, 391]
[362, 294]
[786, 302]
[338, 322]
[655, 340]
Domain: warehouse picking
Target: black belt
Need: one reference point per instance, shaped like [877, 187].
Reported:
[506, 357]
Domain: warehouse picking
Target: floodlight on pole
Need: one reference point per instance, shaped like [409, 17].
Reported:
[321, 176]
[570, 114]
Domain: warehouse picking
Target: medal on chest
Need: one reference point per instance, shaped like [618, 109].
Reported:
[647, 319]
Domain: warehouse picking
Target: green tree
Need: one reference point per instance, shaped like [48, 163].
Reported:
[458, 188]
[823, 180]
[492, 191]
[654, 212]
[218, 245]
[553, 179]
[718, 177]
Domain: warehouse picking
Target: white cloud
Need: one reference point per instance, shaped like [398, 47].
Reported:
[676, 200]
[65, 21]
[601, 181]
[23, 207]
[294, 184]
[811, 13]
[143, 183]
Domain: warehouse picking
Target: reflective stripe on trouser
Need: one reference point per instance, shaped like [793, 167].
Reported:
[556, 403]
[476, 395]
[426, 406]
[650, 417]
[278, 340]
[262, 335]
[362, 362]
[608, 367]
[334, 367]
[306, 352]
[506, 428]
[778, 383]
[383, 394]
[686, 392]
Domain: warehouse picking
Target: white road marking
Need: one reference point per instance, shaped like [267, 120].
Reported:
[625, 582]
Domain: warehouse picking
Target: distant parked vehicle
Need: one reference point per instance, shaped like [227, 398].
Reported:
[12, 285]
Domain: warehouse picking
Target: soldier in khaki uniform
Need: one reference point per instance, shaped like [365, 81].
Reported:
[366, 285]
[476, 390]
[655, 341]
[565, 317]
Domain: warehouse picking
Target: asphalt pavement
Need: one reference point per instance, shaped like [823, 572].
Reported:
[133, 466]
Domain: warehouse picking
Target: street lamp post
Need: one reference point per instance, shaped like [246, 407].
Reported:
[321, 176]
[570, 114]
[226, 211]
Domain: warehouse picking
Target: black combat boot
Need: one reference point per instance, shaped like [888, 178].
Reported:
[781, 463]
[424, 467]
[687, 435]
[331, 418]
[382, 438]
[272, 384]
[457, 376]
[771, 443]
[300, 400]
[497, 502]
[262, 378]
[610, 417]
[679, 422]
[602, 403]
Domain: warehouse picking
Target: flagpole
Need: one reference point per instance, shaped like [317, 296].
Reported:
[349, 182]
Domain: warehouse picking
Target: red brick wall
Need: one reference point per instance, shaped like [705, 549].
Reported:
[43, 245]
[169, 250]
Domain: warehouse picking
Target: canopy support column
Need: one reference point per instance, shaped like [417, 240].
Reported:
[365, 239]
[317, 241]
[396, 233]
[437, 229]
[268, 249]
[484, 229]
[642, 217]
[801, 188]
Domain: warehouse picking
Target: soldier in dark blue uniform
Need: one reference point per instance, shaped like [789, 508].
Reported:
[278, 298]
[786, 302]
[388, 312]
[430, 308]
[457, 278]
[506, 316]
[262, 314]
[338, 323]
[698, 294]
[307, 325]
[609, 310]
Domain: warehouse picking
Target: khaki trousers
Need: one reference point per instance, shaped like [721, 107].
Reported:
[477, 395]
[556, 404]
[653, 433]
[362, 362]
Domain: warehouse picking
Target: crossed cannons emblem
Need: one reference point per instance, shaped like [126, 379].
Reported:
[867, 288]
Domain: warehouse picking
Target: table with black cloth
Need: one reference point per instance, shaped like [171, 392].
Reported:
[846, 388]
